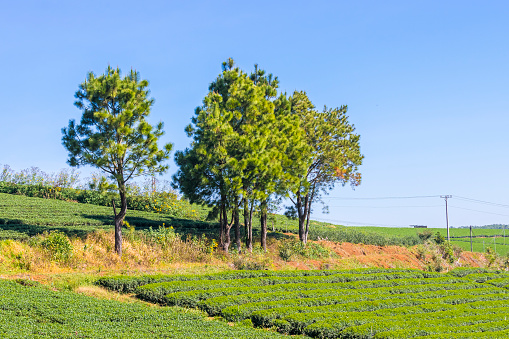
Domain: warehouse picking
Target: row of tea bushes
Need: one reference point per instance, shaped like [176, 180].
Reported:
[193, 298]
[37, 312]
[128, 284]
[157, 292]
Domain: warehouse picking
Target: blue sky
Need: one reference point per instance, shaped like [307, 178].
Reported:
[426, 83]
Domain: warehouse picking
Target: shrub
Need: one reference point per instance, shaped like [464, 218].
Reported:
[425, 235]
[292, 247]
[447, 251]
[246, 263]
[491, 256]
[58, 245]
[439, 238]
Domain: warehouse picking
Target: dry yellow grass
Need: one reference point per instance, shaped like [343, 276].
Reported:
[96, 253]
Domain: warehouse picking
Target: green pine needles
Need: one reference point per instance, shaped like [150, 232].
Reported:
[252, 147]
[113, 134]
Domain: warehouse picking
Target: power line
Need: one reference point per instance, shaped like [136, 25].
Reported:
[421, 196]
[482, 201]
[386, 198]
[382, 206]
[469, 209]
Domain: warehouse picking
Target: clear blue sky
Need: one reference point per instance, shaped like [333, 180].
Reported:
[426, 83]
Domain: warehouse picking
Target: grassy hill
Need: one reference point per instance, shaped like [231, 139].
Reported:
[22, 217]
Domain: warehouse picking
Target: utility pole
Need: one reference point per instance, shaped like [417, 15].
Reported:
[471, 248]
[446, 214]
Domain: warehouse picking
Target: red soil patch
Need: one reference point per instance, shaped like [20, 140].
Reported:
[350, 255]
[379, 256]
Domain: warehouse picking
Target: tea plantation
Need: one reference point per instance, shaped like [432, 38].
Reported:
[361, 303]
[21, 217]
[37, 312]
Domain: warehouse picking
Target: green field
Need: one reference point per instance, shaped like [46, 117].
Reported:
[483, 238]
[37, 312]
[362, 303]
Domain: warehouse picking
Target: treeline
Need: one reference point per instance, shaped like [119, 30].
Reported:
[489, 227]
[253, 145]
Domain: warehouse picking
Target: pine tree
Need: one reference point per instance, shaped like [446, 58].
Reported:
[113, 134]
[334, 156]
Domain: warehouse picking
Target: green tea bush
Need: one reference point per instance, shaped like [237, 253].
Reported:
[266, 317]
[366, 299]
[192, 298]
[128, 284]
[464, 271]
[157, 292]
[213, 306]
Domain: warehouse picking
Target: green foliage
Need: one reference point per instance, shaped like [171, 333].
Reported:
[37, 312]
[333, 156]
[58, 245]
[243, 149]
[156, 292]
[214, 306]
[65, 178]
[158, 202]
[350, 304]
[491, 255]
[290, 248]
[21, 217]
[352, 235]
[465, 271]
[447, 251]
[425, 235]
[192, 298]
[439, 238]
[114, 135]
[128, 284]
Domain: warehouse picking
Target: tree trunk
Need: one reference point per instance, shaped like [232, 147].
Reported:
[263, 225]
[225, 227]
[119, 219]
[303, 211]
[307, 224]
[250, 229]
[236, 221]
[247, 224]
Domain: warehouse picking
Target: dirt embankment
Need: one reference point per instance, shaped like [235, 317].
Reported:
[425, 257]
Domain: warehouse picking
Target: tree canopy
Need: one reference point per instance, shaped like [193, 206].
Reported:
[241, 142]
[333, 157]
